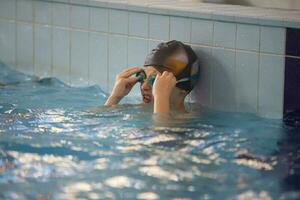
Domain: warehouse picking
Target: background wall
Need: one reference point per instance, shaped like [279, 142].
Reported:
[242, 64]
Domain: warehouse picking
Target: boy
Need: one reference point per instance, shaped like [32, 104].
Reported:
[170, 72]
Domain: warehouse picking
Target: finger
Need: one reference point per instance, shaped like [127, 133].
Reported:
[174, 80]
[127, 73]
[129, 68]
[165, 73]
[133, 80]
[170, 74]
[158, 75]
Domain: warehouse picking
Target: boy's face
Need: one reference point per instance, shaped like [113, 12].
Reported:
[146, 88]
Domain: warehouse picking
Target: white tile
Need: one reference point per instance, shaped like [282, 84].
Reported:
[98, 60]
[79, 17]
[99, 19]
[247, 37]
[138, 24]
[202, 32]
[8, 43]
[203, 89]
[224, 34]
[25, 10]
[247, 81]
[117, 57]
[61, 14]
[43, 12]
[118, 21]
[137, 51]
[272, 40]
[42, 58]
[8, 9]
[159, 27]
[223, 73]
[79, 58]
[271, 81]
[25, 48]
[61, 54]
[180, 29]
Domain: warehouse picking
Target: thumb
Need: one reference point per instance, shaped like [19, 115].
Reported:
[158, 75]
[133, 80]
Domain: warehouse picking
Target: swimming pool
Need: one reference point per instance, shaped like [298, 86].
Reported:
[60, 142]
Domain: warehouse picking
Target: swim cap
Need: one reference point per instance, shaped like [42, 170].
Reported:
[178, 58]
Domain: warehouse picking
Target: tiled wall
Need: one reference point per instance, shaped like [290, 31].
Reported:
[242, 64]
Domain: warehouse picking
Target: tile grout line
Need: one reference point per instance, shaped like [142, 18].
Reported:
[52, 42]
[148, 32]
[190, 34]
[70, 45]
[33, 38]
[169, 24]
[258, 73]
[89, 37]
[212, 70]
[127, 40]
[16, 36]
[108, 52]
[235, 72]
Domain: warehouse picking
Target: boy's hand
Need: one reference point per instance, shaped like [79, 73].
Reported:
[123, 85]
[162, 88]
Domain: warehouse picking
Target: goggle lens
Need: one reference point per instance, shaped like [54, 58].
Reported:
[142, 76]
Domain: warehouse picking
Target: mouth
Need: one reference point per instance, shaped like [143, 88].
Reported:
[146, 98]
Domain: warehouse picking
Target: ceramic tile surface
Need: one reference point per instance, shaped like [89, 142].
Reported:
[43, 51]
[98, 60]
[8, 43]
[8, 9]
[138, 24]
[202, 32]
[271, 81]
[159, 27]
[61, 54]
[224, 34]
[24, 51]
[79, 72]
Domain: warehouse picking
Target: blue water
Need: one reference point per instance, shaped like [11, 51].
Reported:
[60, 142]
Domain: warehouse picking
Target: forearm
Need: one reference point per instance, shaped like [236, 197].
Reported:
[112, 100]
[161, 105]
[161, 115]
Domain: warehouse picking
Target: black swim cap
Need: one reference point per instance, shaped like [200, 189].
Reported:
[178, 58]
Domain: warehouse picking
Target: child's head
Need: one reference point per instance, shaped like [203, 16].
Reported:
[175, 57]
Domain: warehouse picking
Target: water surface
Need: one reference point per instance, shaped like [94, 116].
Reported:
[60, 142]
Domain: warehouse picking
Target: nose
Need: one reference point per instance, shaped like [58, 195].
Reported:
[146, 86]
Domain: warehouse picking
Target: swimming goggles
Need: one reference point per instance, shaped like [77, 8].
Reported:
[142, 77]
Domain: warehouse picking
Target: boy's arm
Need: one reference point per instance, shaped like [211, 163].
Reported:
[112, 101]
[123, 85]
[161, 105]
[162, 89]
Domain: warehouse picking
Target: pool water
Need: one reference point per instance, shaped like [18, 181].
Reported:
[60, 142]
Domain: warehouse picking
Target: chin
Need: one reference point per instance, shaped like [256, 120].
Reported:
[147, 101]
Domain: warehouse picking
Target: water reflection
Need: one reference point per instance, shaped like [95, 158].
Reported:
[72, 147]
[288, 162]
